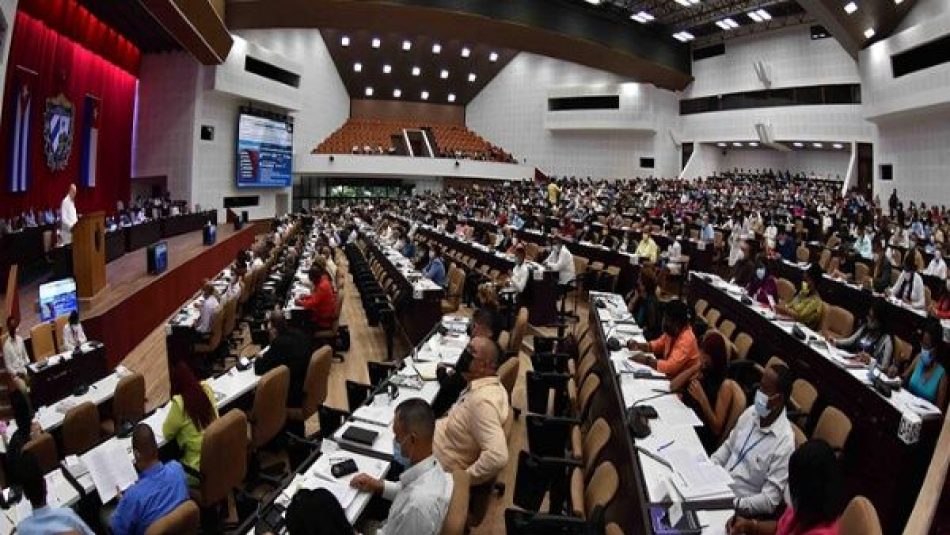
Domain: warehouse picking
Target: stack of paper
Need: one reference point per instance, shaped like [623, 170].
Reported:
[111, 469]
[696, 476]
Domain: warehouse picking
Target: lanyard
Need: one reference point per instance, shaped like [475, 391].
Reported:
[743, 451]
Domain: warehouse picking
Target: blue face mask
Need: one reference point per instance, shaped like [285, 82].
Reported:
[760, 273]
[926, 357]
[398, 457]
[761, 404]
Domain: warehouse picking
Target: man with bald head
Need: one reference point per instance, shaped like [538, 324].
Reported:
[471, 437]
[67, 215]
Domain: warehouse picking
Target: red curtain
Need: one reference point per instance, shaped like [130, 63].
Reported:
[64, 66]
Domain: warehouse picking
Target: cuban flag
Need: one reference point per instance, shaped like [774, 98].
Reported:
[20, 140]
[90, 141]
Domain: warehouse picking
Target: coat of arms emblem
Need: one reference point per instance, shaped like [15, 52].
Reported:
[58, 131]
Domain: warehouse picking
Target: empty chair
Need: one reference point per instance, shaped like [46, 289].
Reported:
[802, 400]
[836, 322]
[599, 491]
[269, 412]
[700, 307]
[737, 405]
[128, 404]
[314, 387]
[743, 345]
[712, 317]
[453, 291]
[42, 341]
[859, 518]
[833, 427]
[81, 429]
[727, 328]
[182, 520]
[455, 516]
[357, 394]
[43, 447]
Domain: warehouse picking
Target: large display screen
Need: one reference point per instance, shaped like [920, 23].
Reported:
[264, 152]
[57, 298]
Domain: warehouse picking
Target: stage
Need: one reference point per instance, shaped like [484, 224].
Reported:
[134, 303]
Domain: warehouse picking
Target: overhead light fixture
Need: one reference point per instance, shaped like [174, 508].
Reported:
[406, 45]
[898, 2]
[466, 52]
[451, 97]
[358, 67]
[471, 77]
[798, 145]
[594, 2]
[869, 33]
[753, 144]
[416, 71]
[643, 17]
[850, 8]
[736, 144]
[727, 24]
[683, 36]
[759, 15]
[817, 145]
[687, 3]
[387, 68]
[397, 93]
[721, 144]
[493, 57]
[376, 42]
[345, 40]
[838, 146]
[424, 95]
[436, 48]
[368, 92]
[443, 74]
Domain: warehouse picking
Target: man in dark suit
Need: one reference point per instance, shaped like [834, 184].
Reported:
[289, 347]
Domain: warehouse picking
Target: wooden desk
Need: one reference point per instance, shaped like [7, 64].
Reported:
[142, 235]
[57, 381]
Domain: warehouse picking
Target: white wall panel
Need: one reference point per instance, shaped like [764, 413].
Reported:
[806, 123]
[919, 149]
[792, 57]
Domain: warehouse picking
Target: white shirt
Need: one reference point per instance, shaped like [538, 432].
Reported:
[937, 268]
[67, 211]
[420, 500]
[519, 276]
[675, 250]
[73, 336]
[234, 291]
[757, 459]
[208, 308]
[918, 299]
[563, 262]
[15, 356]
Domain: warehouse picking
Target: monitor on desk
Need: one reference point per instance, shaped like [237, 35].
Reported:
[157, 257]
[58, 298]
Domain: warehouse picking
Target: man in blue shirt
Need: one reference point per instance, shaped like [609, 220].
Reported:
[708, 234]
[436, 268]
[160, 488]
[44, 519]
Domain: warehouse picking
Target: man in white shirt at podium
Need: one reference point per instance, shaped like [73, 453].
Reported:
[68, 216]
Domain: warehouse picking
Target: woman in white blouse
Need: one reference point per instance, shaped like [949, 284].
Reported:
[73, 335]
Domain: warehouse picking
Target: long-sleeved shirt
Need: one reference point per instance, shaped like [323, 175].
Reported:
[764, 290]
[420, 500]
[73, 336]
[471, 437]
[291, 349]
[757, 459]
[321, 302]
[937, 267]
[707, 233]
[807, 308]
[880, 347]
[46, 520]
[67, 212]
[160, 489]
[519, 276]
[15, 357]
[675, 356]
[435, 271]
[862, 246]
[910, 285]
[648, 249]
[562, 261]
[208, 308]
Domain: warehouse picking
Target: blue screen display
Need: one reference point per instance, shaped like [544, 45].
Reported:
[57, 298]
[264, 152]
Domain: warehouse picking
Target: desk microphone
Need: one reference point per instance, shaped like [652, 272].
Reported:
[638, 417]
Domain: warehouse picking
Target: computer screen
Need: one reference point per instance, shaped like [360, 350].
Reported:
[58, 298]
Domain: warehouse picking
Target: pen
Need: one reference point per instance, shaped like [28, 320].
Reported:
[655, 457]
[664, 446]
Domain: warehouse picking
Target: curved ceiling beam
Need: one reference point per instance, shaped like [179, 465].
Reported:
[538, 26]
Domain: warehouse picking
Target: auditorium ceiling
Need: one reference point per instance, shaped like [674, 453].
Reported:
[394, 66]
[134, 22]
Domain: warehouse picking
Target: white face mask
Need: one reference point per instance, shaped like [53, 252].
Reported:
[761, 404]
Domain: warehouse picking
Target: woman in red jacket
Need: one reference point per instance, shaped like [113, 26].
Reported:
[321, 302]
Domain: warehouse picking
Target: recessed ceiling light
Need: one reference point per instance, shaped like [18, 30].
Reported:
[850, 8]
[466, 52]
[358, 67]
[406, 45]
[436, 48]
[898, 2]
[451, 97]
[754, 16]
[471, 77]
[727, 24]
[376, 42]
[493, 57]
[397, 93]
[368, 92]
[838, 146]
[798, 145]
[683, 36]
[642, 17]
[764, 14]
[817, 145]
[387, 68]
[345, 40]
[443, 74]
[753, 144]
[721, 144]
[736, 144]
[869, 33]
[424, 95]
[594, 2]
[687, 3]
[416, 71]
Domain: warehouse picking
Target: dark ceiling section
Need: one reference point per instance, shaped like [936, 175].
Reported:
[882, 16]
[372, 62]
[556, 28]
[134, 22]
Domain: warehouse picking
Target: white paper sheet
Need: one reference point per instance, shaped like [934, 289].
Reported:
[110, 466]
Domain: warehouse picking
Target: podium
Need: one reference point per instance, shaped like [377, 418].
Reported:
[89, 255]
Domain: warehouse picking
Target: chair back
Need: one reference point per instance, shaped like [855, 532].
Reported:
[727, 328]
[833, 427]
[712, 317]
[902, 350]
[800, 437]
[223, 457]
[269, 413]
[81, 429]
[602, 487]
[737, 404]
[861, 272]
[455, 516]
[128, 405]
[859, 518]
[786, 290]
[743, 345]
[804, 395]
[42, 341]
[182, 520]
[230, 317]
[43, 447]
[802, 253]
[59, 324]
[594, 443]
[508, 374]
[825, 259]
[315, 385]
[837, 321]
[700, 307]
[588, 389]
[518, 331]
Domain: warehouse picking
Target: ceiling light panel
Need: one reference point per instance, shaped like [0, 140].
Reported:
[376, 42]
[850, 7]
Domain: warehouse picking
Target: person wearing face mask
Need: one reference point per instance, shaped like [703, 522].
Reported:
[420, 499]
[471, 436]
[909, 288]
[561, 260]
[870, 343]
[814, 496]
[763, 287]
[926, 377]
[647, 248]
[161, 487]
[937, 266]
[520, 273]
[676, 351]
[786, 246]
[704, 392]
[757, 451]
[806, 306]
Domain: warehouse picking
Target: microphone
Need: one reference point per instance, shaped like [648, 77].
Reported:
[638, 416]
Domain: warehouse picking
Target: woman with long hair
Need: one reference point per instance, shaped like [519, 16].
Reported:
[192, 411]
[703, 389]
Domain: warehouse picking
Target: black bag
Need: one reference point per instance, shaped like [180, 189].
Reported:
[344, 342]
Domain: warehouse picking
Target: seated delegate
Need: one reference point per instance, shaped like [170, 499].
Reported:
[806, 307]
[926, 376]
[674, 352]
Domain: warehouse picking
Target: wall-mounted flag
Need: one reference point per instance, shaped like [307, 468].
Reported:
[20, 139]
[90, 141]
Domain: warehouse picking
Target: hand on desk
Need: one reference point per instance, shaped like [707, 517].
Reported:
[742, 526]
[367, 483]
[633, 345]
